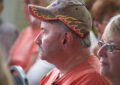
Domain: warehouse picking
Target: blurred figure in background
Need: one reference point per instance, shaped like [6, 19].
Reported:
[8, 35]
[25, 53]
[5, 78]
[102, 11]
[89, 4]
[109, 51]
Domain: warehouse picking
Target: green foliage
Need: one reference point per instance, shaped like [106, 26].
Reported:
[87, 0]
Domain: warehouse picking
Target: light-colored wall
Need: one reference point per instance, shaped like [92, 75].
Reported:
[13, 13]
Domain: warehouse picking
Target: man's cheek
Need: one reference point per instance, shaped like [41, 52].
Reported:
[45, 41]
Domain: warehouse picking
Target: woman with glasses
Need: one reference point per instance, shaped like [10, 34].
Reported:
[109, 51]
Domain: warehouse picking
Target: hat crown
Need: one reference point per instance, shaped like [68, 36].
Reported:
[73, 13]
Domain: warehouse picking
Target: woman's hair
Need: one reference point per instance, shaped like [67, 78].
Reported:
[5, 78]
[113, 26]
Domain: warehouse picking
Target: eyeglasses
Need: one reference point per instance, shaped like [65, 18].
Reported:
[109, 47]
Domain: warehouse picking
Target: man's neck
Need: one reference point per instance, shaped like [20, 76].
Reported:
[72, 62]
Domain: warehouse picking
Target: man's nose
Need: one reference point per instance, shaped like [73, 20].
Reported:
[38, 39]
[102, 51]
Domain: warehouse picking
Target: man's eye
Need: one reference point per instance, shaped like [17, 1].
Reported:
[42, 28]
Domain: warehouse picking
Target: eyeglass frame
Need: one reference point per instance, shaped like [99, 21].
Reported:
[109, 47]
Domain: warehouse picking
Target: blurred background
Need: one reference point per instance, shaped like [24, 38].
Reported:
[13, 13]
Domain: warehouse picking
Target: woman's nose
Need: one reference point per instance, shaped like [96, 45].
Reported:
[102, 51]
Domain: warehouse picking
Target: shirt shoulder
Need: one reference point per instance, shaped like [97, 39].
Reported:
[49, 78]
[86, 78]
[93, 78]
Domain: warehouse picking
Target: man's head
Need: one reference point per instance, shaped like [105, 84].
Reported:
[71, 12]
[64, 24]
[102, 11]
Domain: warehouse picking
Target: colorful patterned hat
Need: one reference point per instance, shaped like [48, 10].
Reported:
[73, 13]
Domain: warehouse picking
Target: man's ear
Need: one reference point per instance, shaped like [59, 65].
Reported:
[1, 9]
[67, 38]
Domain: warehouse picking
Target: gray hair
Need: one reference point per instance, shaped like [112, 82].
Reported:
[84, 41]
[113, 26]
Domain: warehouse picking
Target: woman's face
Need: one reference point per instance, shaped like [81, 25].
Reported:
[109, 53]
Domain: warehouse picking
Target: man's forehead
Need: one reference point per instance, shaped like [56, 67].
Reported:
[45, 24]
[50, 25]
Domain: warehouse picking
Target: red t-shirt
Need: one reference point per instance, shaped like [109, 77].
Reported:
[24, 47]
[86, 73]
